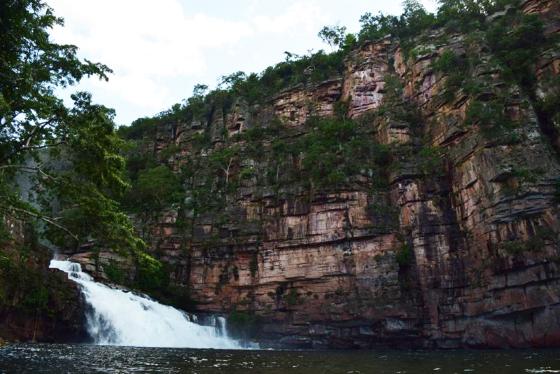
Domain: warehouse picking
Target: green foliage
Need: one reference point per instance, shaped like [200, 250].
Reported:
[31, 67]
[72, 155]
[157, 183]
[410, 24]
[447, 62]
[393, 88]
[467, 15]
[246, 173]
[330, 148]
[517, 48]
[517, 41]
[333, 35]
[535, 243]
[336, 36]
[383, 214]
[324, 155]
[518, 247]
[91, 214]
[92, 146]
[114, 273]
[36, 299]
[514, 247]
[377, 27]
[22, 286]
[549, 105]
[314, 68]
[431, 161]
[292, 298]
[258, 134]
[137, 160]
[395, 107]
[87, 184]
[527, 175]
[459, 15]
[404, 256]
[156, 188]
[151, 274]
[233, 79]
[455, 70]
[491, 117]
[139, 129]
[222, 159]
[340, 109]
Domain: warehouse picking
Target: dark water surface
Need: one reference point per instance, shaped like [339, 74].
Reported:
[59, 358]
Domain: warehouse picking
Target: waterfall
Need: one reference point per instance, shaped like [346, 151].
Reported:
[120, 317]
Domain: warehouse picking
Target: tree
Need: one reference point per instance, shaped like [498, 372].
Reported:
[31, 67]
[200, 90]
[230, 81]
[465, 15]
[223, 159]
[375, 27]
[86, 177]
[72, 155]
[335, 36]
[517, 42]
[415, 18]
[155, 189]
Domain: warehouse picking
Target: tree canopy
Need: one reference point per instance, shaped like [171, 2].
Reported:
[71, 156]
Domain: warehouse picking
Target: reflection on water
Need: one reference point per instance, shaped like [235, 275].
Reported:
[57, 358]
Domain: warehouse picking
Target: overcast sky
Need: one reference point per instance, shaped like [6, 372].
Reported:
[160, 49]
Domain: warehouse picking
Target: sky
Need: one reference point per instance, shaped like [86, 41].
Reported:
[158, 50]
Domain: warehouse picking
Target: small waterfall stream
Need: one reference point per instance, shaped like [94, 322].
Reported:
[119, 317]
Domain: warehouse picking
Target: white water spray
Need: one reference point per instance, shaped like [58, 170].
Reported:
[118, 317]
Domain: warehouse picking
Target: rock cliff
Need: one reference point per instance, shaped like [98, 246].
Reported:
[451, 240]
[37, 304]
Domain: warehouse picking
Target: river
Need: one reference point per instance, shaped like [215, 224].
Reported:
[84, 358]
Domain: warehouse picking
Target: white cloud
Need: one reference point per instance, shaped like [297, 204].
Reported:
[298, 17]
[143, 91]
[142, 36]
[159, 50]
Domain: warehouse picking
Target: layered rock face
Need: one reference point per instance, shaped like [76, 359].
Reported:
[460, 249]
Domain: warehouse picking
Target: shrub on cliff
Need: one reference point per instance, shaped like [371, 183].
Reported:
[517, 48]
[153, 190]
[150, 274]
[404, 256]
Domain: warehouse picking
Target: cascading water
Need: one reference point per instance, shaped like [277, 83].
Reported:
[118, 317]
